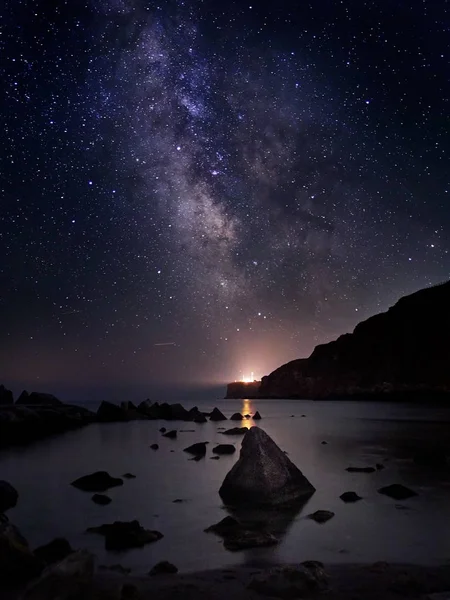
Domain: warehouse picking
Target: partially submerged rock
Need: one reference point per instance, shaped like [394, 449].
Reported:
[256, 416]
[200, 418]
[198, 449]
[54, 551]
[8, 496]
[122, 535]
[263, 475]
[163, 568]
[236, 417]
[17, 562]
[239, 537]
[129, 476]
[397, 491]
[68, 579]
[6, 396]
[361, 469]
[236, 431]
[224, 449]
[301, 581]
[321, 516]
[172, 434]
[154, 446]
[350, 497]
[101, 499]
[217, 415]
[99, 481]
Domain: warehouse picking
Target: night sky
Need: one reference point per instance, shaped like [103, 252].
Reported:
[191, 191]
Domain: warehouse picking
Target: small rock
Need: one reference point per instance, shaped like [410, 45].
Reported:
[187, 430]
[154, 446]
[247, 416]
[101, 499]
[172, 434]
[163, 430]
[256, 416]
[197, 457]
[238, 537]
[200, 418]
[224, 449]
[129, 476]
[54, 551]
[303, 416]
[379, 467]
[129, 592]
[350, 497]
[217, 415]
[116, 568]
[236, 417]
[163, 568]
[8, 496]
[122, 535]
[321, 516]
[198, 449]
[324, 443]
[214, 457]
[360, 469]
[99, 481]
[178, 500]
[397, 491]
[236, 431]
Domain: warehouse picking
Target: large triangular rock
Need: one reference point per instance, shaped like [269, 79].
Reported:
[263, 475]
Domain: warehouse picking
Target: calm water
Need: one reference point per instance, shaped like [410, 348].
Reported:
[358, 434]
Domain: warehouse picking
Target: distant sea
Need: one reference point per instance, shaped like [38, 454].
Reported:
[357, 434]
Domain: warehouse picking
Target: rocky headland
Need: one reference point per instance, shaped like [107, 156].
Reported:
[402, 354]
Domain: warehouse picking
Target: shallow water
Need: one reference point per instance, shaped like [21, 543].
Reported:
[358, 434]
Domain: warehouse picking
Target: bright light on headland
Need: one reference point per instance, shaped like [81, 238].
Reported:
[248, 378]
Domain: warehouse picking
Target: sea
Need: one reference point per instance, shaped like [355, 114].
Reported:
[357, 433]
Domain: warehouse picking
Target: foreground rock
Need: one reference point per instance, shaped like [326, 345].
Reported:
[17, 562]
[238, 537]
[198, 449]
[236, 431]
[301, 581]
[217, 415]
[397, 491]
[384, 356]
[68, 579]
[163, 568]
[100, 481]
[54, 551]
[6, 396]
[122, 535]
[263, 475]
[321, 516]
[236, 417]
[8, 496]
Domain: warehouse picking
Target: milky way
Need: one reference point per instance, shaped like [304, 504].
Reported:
[193, 190]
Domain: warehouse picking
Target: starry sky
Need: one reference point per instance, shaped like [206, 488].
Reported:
[195, 190]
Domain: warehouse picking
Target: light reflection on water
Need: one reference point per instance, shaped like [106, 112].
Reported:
[357, 434]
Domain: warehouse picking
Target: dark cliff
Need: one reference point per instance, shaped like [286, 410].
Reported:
[404, 352]
[243, 389]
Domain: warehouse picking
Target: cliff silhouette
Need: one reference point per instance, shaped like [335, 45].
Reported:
[403, 353]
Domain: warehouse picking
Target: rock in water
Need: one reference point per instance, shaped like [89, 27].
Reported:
[54, 551]
[236, 417]
[224, 449]
[163, 568]
[263, 475]
[101, 499]
[99, 481]
[397, 491]
[198, 449]
[6, 396]
[217, 415]
[256, 416]
[122, 535]
[8, 496]
[236, 431]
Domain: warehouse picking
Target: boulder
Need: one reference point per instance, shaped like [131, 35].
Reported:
[236, 431]
[23, 398]
[321, 516]
[350, 497]
[122, 535]
[303, 581]
[17, 562]
[99, 481]
[6, 396]
[163, 568]
[224, 449]
[263, 475]
[101, 499]
[200, 418]
[109, 413]
[172, 434]
[397, 491]
[217, 415]
[256, 416]
[238, 537]
[236, 417]
[178, 412]
[198, 449]
[361, 469]
[8, 496]
[54, 551]
[68, 579]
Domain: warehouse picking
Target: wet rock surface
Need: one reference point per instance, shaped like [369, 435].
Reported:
[263, 475]
[291, 581]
